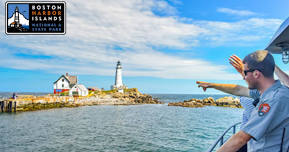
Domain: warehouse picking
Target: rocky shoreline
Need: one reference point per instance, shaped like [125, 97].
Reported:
[222, 102]
[130, 97]
[32, 103]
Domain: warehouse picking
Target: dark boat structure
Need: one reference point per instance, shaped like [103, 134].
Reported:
[278, 45]
[280, 42]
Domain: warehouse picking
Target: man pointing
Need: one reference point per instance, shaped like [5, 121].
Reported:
[268, 124]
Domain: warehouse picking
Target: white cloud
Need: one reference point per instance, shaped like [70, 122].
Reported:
[148, 63]
[236, 12]
[129, 31]
[239, 33]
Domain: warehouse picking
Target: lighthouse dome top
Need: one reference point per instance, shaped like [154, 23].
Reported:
[118, 66]
[118, 63]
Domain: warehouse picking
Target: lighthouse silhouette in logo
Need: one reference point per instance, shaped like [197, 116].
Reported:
[118, 85]
[17, 21]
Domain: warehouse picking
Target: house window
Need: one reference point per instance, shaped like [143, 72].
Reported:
[62, 85]
[62, 80]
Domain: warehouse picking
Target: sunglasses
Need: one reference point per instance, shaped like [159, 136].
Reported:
[250, 70]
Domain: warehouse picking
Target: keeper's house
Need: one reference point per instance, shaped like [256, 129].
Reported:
[78, 90]
[64, 83]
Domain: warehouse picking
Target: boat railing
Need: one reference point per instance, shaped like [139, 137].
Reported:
[221, 138]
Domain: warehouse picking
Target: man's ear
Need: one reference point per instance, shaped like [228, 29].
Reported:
[256, 74]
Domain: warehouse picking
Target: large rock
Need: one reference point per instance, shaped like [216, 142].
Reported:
[133, 96]
[192, 104]
[228, 102]
[224, 102]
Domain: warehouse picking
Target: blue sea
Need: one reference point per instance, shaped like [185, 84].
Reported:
[108, 128]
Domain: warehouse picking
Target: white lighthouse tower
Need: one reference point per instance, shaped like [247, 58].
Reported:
[118, 78]
[118, 75]
[16, 18]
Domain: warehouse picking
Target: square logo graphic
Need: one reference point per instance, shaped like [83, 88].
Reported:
[32, 17]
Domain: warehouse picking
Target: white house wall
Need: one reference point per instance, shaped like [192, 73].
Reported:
[59, 83]
[82, 91]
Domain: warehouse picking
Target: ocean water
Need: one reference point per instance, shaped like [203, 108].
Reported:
[158, 128]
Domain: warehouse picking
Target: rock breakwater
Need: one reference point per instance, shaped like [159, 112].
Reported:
[223, 102]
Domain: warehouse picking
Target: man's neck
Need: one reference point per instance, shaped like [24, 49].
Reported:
[265, 84]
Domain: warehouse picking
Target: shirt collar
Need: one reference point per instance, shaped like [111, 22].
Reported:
[276, 85]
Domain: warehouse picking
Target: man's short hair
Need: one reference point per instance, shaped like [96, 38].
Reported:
[262, 61]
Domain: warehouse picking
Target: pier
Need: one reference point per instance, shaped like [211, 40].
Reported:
[8, 106]
[32, 103]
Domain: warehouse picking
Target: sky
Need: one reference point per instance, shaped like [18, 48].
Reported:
[165, 46]
[22, 9]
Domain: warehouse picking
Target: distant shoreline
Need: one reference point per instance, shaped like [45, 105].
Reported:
[45, 93]
[50, 101]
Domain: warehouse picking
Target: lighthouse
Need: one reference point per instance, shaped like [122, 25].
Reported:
[16, 19]
[16, 23]
[118, 85]
[118, 75]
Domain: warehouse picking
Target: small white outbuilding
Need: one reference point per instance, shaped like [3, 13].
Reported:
[78, 90]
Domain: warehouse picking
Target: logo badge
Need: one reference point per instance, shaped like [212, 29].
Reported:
[32, 17]
[263, 109]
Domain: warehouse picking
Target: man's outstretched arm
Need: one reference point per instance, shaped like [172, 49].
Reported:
[227, 88]
[235, 142]
[283, 77]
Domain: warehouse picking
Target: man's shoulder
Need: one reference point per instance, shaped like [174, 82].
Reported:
[282, 91]
[276, 94]
[281, 94]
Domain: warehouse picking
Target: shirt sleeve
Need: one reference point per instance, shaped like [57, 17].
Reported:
[247, 104]
[261, 121]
